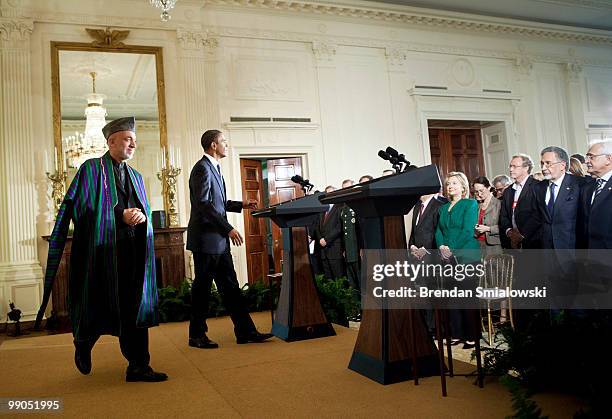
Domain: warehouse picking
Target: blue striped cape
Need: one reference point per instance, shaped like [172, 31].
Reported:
[93, 283]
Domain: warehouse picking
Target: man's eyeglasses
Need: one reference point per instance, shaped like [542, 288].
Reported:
[548, 163]
[590, 156]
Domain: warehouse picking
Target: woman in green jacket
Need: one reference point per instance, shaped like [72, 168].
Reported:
[456, 242]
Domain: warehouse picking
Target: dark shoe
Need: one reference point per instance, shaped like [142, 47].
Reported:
[203, 343]
[455, 342]
[468, 345]
[254, 337]
[82, 357]
[145, 374]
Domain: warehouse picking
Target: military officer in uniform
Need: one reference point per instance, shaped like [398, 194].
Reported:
[351, 245]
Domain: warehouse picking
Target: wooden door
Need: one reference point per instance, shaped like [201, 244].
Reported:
[282, 189]
[254, 228]
[457, 150]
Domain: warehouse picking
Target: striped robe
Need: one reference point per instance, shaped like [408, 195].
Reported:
[93, 285]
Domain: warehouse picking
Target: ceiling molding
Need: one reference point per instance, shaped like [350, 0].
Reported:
[593, 4]
[514, 56]
[408, 16]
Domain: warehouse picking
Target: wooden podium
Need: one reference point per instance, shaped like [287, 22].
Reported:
[392, 344]
[299, 314]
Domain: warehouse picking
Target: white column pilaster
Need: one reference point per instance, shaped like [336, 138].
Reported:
[327, 87]
[527, 133]
[574, 82]
[20, 271]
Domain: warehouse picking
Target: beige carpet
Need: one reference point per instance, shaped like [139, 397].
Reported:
[274, 379]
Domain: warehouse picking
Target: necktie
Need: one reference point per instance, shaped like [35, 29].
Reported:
[551, 199]
[421, 210]
[219, 169]
[599, 187]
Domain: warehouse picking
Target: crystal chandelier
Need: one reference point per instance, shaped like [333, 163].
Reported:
[91, 143]
[165, 6]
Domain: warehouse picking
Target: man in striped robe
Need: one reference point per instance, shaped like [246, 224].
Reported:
[112, 287]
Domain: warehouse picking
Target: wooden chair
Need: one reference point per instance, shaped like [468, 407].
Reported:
[499, 272]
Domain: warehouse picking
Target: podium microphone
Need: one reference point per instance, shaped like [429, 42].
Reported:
[401, 158]
[304, 183]
[384, 155]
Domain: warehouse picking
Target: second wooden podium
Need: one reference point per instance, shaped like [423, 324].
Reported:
[299, 314]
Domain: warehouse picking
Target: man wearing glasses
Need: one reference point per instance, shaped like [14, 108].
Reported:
[517, 224]
[597, 197]
[557, 200]
[501, 183]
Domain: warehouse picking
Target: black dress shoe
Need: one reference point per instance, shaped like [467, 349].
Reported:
[145, 374]
[468, 345]
[203, 343]
[254, 337]
[82, 357]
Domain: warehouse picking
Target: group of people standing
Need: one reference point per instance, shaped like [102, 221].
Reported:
[112, 282]
[565, 210]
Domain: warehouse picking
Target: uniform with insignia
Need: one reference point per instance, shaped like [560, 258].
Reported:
[351, 245]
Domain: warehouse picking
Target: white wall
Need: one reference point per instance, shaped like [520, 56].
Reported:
[352, 74]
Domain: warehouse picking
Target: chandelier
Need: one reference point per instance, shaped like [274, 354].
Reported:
[165, 6]
[91, 143]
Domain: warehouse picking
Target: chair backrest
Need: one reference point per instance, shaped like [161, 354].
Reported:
[499, 271]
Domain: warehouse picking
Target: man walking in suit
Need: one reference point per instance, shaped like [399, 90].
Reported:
[557, 200]
[208, 237]
[329, 236]
[517, 225]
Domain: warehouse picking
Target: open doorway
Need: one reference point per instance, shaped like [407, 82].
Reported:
[269, 182]
[476, 148]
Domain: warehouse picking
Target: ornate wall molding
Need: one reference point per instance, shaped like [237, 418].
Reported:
[421, 19]
[114, 21]
[396, 57]
[324, 51]
[196, 43]
[232, 32]
[524, 65]
[15, 30]
[573, 71]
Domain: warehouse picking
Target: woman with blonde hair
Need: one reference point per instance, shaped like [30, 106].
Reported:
[456, 241]
[576, 167]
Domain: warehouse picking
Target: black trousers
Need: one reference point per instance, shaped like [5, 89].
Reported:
[134, 341]
[353, 274]
[219, 268]
[333, 268]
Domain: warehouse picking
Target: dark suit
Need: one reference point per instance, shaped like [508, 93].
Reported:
[423, 234]
[329, 228]
[596, 217]
[596, 235]
[207, 238]
[558, 230]
[524, 212]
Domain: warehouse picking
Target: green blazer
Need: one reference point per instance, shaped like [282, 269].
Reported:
[456, 229]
